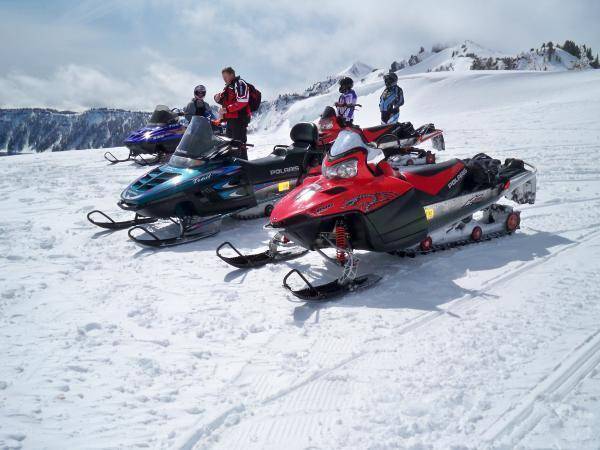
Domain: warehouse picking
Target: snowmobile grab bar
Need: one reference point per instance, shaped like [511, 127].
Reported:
[533, 168]
[310, 286]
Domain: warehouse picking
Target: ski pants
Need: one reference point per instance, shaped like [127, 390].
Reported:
[390, 117]
[237, 129]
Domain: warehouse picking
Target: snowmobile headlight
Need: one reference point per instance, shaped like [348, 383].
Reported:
[345, 169]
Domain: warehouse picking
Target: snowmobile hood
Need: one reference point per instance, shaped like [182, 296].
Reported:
[166, 181]
[319, 197]
[155, 134]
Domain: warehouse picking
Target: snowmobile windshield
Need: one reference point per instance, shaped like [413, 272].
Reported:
[198, 143]
[162, 115]
[347, 141]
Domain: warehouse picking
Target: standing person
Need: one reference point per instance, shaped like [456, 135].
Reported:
[347, 101]
[392, 98]
[235, 108]
[198, 106]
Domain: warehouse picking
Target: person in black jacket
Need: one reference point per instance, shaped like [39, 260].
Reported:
[235, 108]
[198, 106]
[392, 98]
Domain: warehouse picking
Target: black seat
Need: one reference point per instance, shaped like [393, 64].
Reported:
[305, 133]
[284, 162]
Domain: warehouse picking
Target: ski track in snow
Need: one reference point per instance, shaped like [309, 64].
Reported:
[521, 418]
[494, 345]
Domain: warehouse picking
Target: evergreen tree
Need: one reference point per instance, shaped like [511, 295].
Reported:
[551, 50]
[572, 48]
[588, 53]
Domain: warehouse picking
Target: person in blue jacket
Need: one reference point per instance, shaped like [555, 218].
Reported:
[198, 106]
[392, 98]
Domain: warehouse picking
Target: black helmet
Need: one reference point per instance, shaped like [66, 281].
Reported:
[390, 79]
[199, 92]
[346, 84]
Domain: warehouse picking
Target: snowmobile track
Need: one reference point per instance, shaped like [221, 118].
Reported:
[523, 416]
[459, 305]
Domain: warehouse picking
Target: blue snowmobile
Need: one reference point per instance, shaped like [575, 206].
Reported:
[204, 182]
[158, 138]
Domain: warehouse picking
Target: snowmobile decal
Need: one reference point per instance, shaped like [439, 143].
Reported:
[285, 170]
[214, 173]
[283, 186]
[475, 199]
[365, 202]
[321, 209]
[458, 177]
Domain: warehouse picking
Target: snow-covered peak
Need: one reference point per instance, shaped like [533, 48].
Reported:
[469, 55]
[357, 70]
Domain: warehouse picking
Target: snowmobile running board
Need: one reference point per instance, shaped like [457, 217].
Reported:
[328, 291]
[114, 225]
[258, 259]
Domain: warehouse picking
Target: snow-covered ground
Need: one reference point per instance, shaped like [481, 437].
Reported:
[108, 345]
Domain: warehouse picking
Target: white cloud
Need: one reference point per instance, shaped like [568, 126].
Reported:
[76, 87]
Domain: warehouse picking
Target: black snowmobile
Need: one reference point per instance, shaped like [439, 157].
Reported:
[204, 182]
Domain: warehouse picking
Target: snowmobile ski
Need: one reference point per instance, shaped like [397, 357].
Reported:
[187, 233]
[114, 160]
[328, 291]
[271, 256]
[111, 224]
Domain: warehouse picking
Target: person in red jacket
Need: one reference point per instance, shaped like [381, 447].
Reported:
[235, 108]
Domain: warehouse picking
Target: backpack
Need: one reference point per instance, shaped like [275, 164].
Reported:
[254, 97]
[400, 96]
[483, 170]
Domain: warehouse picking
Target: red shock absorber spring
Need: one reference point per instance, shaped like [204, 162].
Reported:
[341, 241]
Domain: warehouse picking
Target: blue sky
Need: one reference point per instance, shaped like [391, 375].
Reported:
[136, 53]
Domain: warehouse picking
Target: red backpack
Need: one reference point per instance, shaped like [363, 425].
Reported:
[254, 97]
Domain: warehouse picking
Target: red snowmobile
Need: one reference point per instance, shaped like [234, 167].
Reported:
[358, 203]
[396, 140]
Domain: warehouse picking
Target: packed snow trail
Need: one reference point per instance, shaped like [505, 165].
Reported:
[108, 345]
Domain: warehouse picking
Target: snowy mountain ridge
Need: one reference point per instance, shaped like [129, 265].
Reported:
[463, 57]
[44, 129]
[33, 129]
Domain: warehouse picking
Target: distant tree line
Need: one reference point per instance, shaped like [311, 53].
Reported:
[547, 50]
[580, 52]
